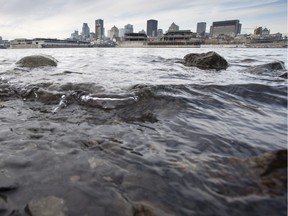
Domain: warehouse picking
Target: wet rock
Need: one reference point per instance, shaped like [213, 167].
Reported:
[210, 60]
[7, 183]
[271, 168]
[3, 205]
[264, 68]
[284, 75]
[35, 61]
[269, 162]
[48, 206]
[146, 209]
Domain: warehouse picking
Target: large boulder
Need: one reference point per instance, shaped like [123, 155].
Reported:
[209, 60]
[35, 61]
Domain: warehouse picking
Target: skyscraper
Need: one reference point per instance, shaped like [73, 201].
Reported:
[128, 28]
[228, 27]
[121, 32]
[114, 32]
[99, 29]
[201, 29]
[173, 27]
[152, 26]
[85, 31]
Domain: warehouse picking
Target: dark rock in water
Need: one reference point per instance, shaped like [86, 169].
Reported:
[271, 168]
[48, 206]
[35, 61]
[268, 163]
[7, 183]
[260, 69]
[3, 206]
[210, 60]
[146, 209]
[284, 75]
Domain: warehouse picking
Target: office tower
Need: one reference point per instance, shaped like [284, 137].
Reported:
[85, 31]
[121, 32]
[114, 32]
[99, 29]
[160, 33]
[201, 29]
[173, 27]
[128, 28]
[228, 28]
[152, 26]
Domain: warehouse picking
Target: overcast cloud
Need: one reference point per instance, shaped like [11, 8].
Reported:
[59, 18]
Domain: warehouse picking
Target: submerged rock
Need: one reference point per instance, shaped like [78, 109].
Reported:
[7, 183]
[264, 68]
[210, 60]
[271, 168]
[48, 206]
[284, 75]
[146, 209]
[268, 163]
[35, 61]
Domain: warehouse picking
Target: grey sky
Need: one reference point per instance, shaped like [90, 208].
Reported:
[59, 18]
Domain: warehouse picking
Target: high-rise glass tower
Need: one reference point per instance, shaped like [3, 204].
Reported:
[227, 27]
[85, 31]
[99, 29]
[152, 26]
[128, 28]
[201, 29]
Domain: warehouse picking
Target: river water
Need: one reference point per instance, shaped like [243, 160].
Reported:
[110, 131]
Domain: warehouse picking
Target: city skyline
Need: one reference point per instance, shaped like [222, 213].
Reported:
[57, 18]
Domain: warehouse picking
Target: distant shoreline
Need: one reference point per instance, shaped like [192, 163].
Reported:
[140, 44]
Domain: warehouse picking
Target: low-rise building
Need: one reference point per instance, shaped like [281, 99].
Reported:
[135, 37]
[55, 43]
[181, 35]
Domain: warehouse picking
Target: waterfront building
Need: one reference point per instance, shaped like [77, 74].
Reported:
[225, 28]
[128, 28]
[142, 31]
[121, 32]
[85, 31]
[152, 26]
[114, 32]
[160, 33]
[135, 37]
[173, 27]
[181, 35]
[75, 35]
[201, 29]
[55, 43]
[92, 35]
[265, 32]
[109, 33]
[258, 31]
[99, 29]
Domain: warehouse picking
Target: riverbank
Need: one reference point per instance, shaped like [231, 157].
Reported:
[145, 44]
